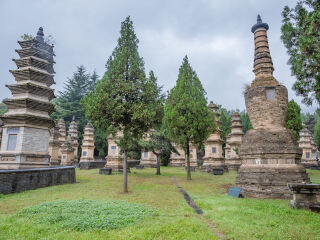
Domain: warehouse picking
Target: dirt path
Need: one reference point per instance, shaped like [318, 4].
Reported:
[198, 210]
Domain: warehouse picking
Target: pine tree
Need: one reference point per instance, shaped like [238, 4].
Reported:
[310, 122]
[225, 123]
[125, 99]
[246, 123]
[293, 119]
[187, 118]
[93, 81]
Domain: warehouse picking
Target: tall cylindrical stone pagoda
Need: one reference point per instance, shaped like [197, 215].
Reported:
[232, 159]
[271, 157]
[213, 146]
[73, 133]
[306, 142]
[25, 138]
[54, 146]
[88, 144]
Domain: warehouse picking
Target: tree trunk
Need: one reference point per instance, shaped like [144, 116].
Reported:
[188, 163]
[125, 174]
[158, 164]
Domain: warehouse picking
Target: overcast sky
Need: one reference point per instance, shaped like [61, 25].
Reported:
[215, 34]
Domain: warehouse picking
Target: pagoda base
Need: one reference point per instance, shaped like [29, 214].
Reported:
[149, 163]
[233, 163]
[54, 162]
[310, 164]
[210, 163]
[177, 162]
[116, 164]
[23, 160]
[91, 164]
[270, 180]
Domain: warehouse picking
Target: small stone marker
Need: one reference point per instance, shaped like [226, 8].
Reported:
[105, 171]
[235, 192]
[217, 171]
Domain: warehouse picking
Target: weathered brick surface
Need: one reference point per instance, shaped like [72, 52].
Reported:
[12, 181]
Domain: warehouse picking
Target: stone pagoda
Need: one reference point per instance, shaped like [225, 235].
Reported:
[271, 157]
[25, 140]
[63, 134]
[177, 160]
[73, 133]
[114, 158]
[234, 141]
[67, 152]
[88, 144]
[54, 146]
[307, 144]
[213, 146]
[148, 159]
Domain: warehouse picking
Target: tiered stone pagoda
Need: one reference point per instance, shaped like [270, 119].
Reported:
[114, 158]
[88, 144]
[148, 159]
[63, 134]
[26, 127]
[54, 146]
[307, 144]
[271, 157]
[234, 141]
[213, 146]
[73, 132]
[177, 160]
[67, 152]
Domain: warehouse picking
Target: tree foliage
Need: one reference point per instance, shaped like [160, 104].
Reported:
[225, 123]
[300, 35]
[246, 123]
[125, 99]
[187, 118]
[316, 134]
[3, 108]
[293, 119]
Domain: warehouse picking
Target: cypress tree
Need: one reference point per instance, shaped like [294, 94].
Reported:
[187, 118]
[125, 99]
[293, 119]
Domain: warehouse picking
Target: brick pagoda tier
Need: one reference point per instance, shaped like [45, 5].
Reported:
[54, 146]
[88, 144]
[25, 139]
[73, 133]
[306, 142]
[270, 154]
[213, 146]
[234, 140]
[177, 160]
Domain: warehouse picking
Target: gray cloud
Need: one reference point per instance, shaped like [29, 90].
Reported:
[215, 35]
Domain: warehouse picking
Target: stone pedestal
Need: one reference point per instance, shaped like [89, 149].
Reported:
[271, 157]
[305, 196]
[25, 138]
[309, 149]
[148, 159]
[88, 144]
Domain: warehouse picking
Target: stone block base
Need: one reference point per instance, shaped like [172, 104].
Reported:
[310, 164]
[12, 181]
[85, 165]
[116, 164]
[139, 167]
[208, 164]
[177, 163]
[105, 171]
[270, 180]
[192, 168]
[217, 171]
[233, 164]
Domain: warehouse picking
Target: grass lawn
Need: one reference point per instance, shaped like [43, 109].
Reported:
[174, 219]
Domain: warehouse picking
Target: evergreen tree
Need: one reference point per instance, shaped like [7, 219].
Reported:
[93, 81]
[125, 99]
[3, 108]
[225, 123]
[310, 122]
[293, 119]
[67, 104]
[246, 123]
[300, 35]
[187, 118]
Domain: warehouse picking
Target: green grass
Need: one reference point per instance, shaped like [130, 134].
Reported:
[83, 210]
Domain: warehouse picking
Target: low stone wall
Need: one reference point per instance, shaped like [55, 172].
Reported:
[18, 180]
[92, 164]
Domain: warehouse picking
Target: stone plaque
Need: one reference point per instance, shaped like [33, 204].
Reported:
[8, 159]
[235, 192]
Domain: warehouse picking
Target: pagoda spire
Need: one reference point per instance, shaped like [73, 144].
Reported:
[263, 66]
[40, 35]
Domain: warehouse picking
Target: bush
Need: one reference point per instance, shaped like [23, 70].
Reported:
[85, 215]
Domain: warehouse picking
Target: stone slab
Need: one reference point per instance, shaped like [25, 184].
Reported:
[85, 165]
[105, 171]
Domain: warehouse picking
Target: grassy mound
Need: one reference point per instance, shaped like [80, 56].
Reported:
[85, 215]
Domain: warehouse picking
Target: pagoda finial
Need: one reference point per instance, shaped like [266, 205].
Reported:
[259, 20]
[259, 24]
[40, 34]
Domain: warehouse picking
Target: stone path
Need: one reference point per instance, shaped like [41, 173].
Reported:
[198, 210]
